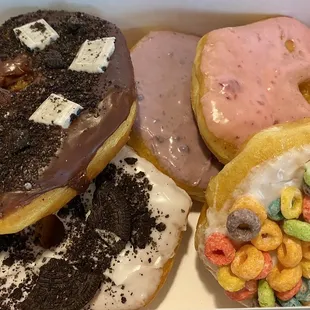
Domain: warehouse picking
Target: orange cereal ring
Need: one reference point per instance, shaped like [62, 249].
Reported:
[269, 237]
[284, 279]
[305, 249]
[268, 264]
[291, 293]
[306, 208]
[219, 250]
[250, 203]
[289, 252]
[248, 262]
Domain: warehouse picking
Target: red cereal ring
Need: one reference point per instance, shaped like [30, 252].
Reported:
[306, 208]
[219, 249]
[247, 292]
[291, 293]
[267, 266]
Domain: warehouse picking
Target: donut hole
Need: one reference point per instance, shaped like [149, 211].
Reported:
[49, 232]
[304, 88]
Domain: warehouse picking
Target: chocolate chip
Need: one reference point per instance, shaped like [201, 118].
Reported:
[130, 160]
[123, 300]
[161, 227]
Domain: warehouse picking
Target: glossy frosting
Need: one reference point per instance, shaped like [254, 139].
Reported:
[162, 64]
[252, 75]
[264, 182]
[86, 135]
[130, 269]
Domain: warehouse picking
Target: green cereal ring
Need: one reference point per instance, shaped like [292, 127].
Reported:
[274, 210]
[293, 302]
[297, 229]
[307, 173]
[266, 296]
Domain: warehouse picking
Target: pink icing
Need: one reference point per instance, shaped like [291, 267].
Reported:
[253, 78]
[162, 64]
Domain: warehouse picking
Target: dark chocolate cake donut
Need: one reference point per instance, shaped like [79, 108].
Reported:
[67, 104]
[110, 248]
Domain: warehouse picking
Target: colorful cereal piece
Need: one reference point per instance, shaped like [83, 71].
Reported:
[266, 296]
[290, 303]
[285, 296]
[269, 237]
[228, 281]
[282, 280]
[307, 174]
[305, 265]
[250, 203]
[291, 202]
[243, 225]
[305, 249]
[306, 208]
[304, 293]
[247, 292]
[268, 264]
[289, 252]
[248, 262]
[219, 249]
[297, 229]
[305, 188]
[274, 210]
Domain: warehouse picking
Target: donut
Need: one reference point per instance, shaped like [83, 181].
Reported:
[165, 131]
[268, 178]
[109, 248]
[245, 79]
[67, 106]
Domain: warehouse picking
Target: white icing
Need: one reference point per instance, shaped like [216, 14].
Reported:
[264, 182]
[165, 197]
[34, 38]
[56, 110]
[93, 56]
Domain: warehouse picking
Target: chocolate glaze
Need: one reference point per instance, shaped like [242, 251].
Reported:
[91, 129]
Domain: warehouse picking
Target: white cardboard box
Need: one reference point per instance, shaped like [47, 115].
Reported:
[189, 286]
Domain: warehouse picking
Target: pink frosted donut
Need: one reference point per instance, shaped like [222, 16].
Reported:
[247, 78]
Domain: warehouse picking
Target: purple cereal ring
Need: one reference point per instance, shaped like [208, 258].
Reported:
[243, 225]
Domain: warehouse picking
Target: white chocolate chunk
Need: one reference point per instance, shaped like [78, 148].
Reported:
[93, 56]
[56, 110]
[38, 34]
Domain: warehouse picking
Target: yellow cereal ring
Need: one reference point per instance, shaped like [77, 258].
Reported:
[250, 203]
[269, 237]
[248, 262]
[284, 279]
[305, 249]
[291, 202]
[228, 281]
[289, 252]
[305, 265]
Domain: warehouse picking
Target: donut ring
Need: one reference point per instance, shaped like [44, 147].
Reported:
[275, 165]
[230, 99]
[75, 166]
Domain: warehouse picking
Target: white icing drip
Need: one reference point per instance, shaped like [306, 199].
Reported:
[165, 197]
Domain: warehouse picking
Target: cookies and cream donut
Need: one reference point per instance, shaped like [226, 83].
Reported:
[110, 248]
[165, 131]
[67, 105]
[254, 237]
[247, 78]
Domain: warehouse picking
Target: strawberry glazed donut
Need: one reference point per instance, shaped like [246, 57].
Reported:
[248, 78]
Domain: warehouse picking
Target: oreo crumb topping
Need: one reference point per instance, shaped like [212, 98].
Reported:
[130, 160]
[27, 148]
[86, 248]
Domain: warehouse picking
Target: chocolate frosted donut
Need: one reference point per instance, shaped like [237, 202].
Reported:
[66, 108]
[98, 261]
